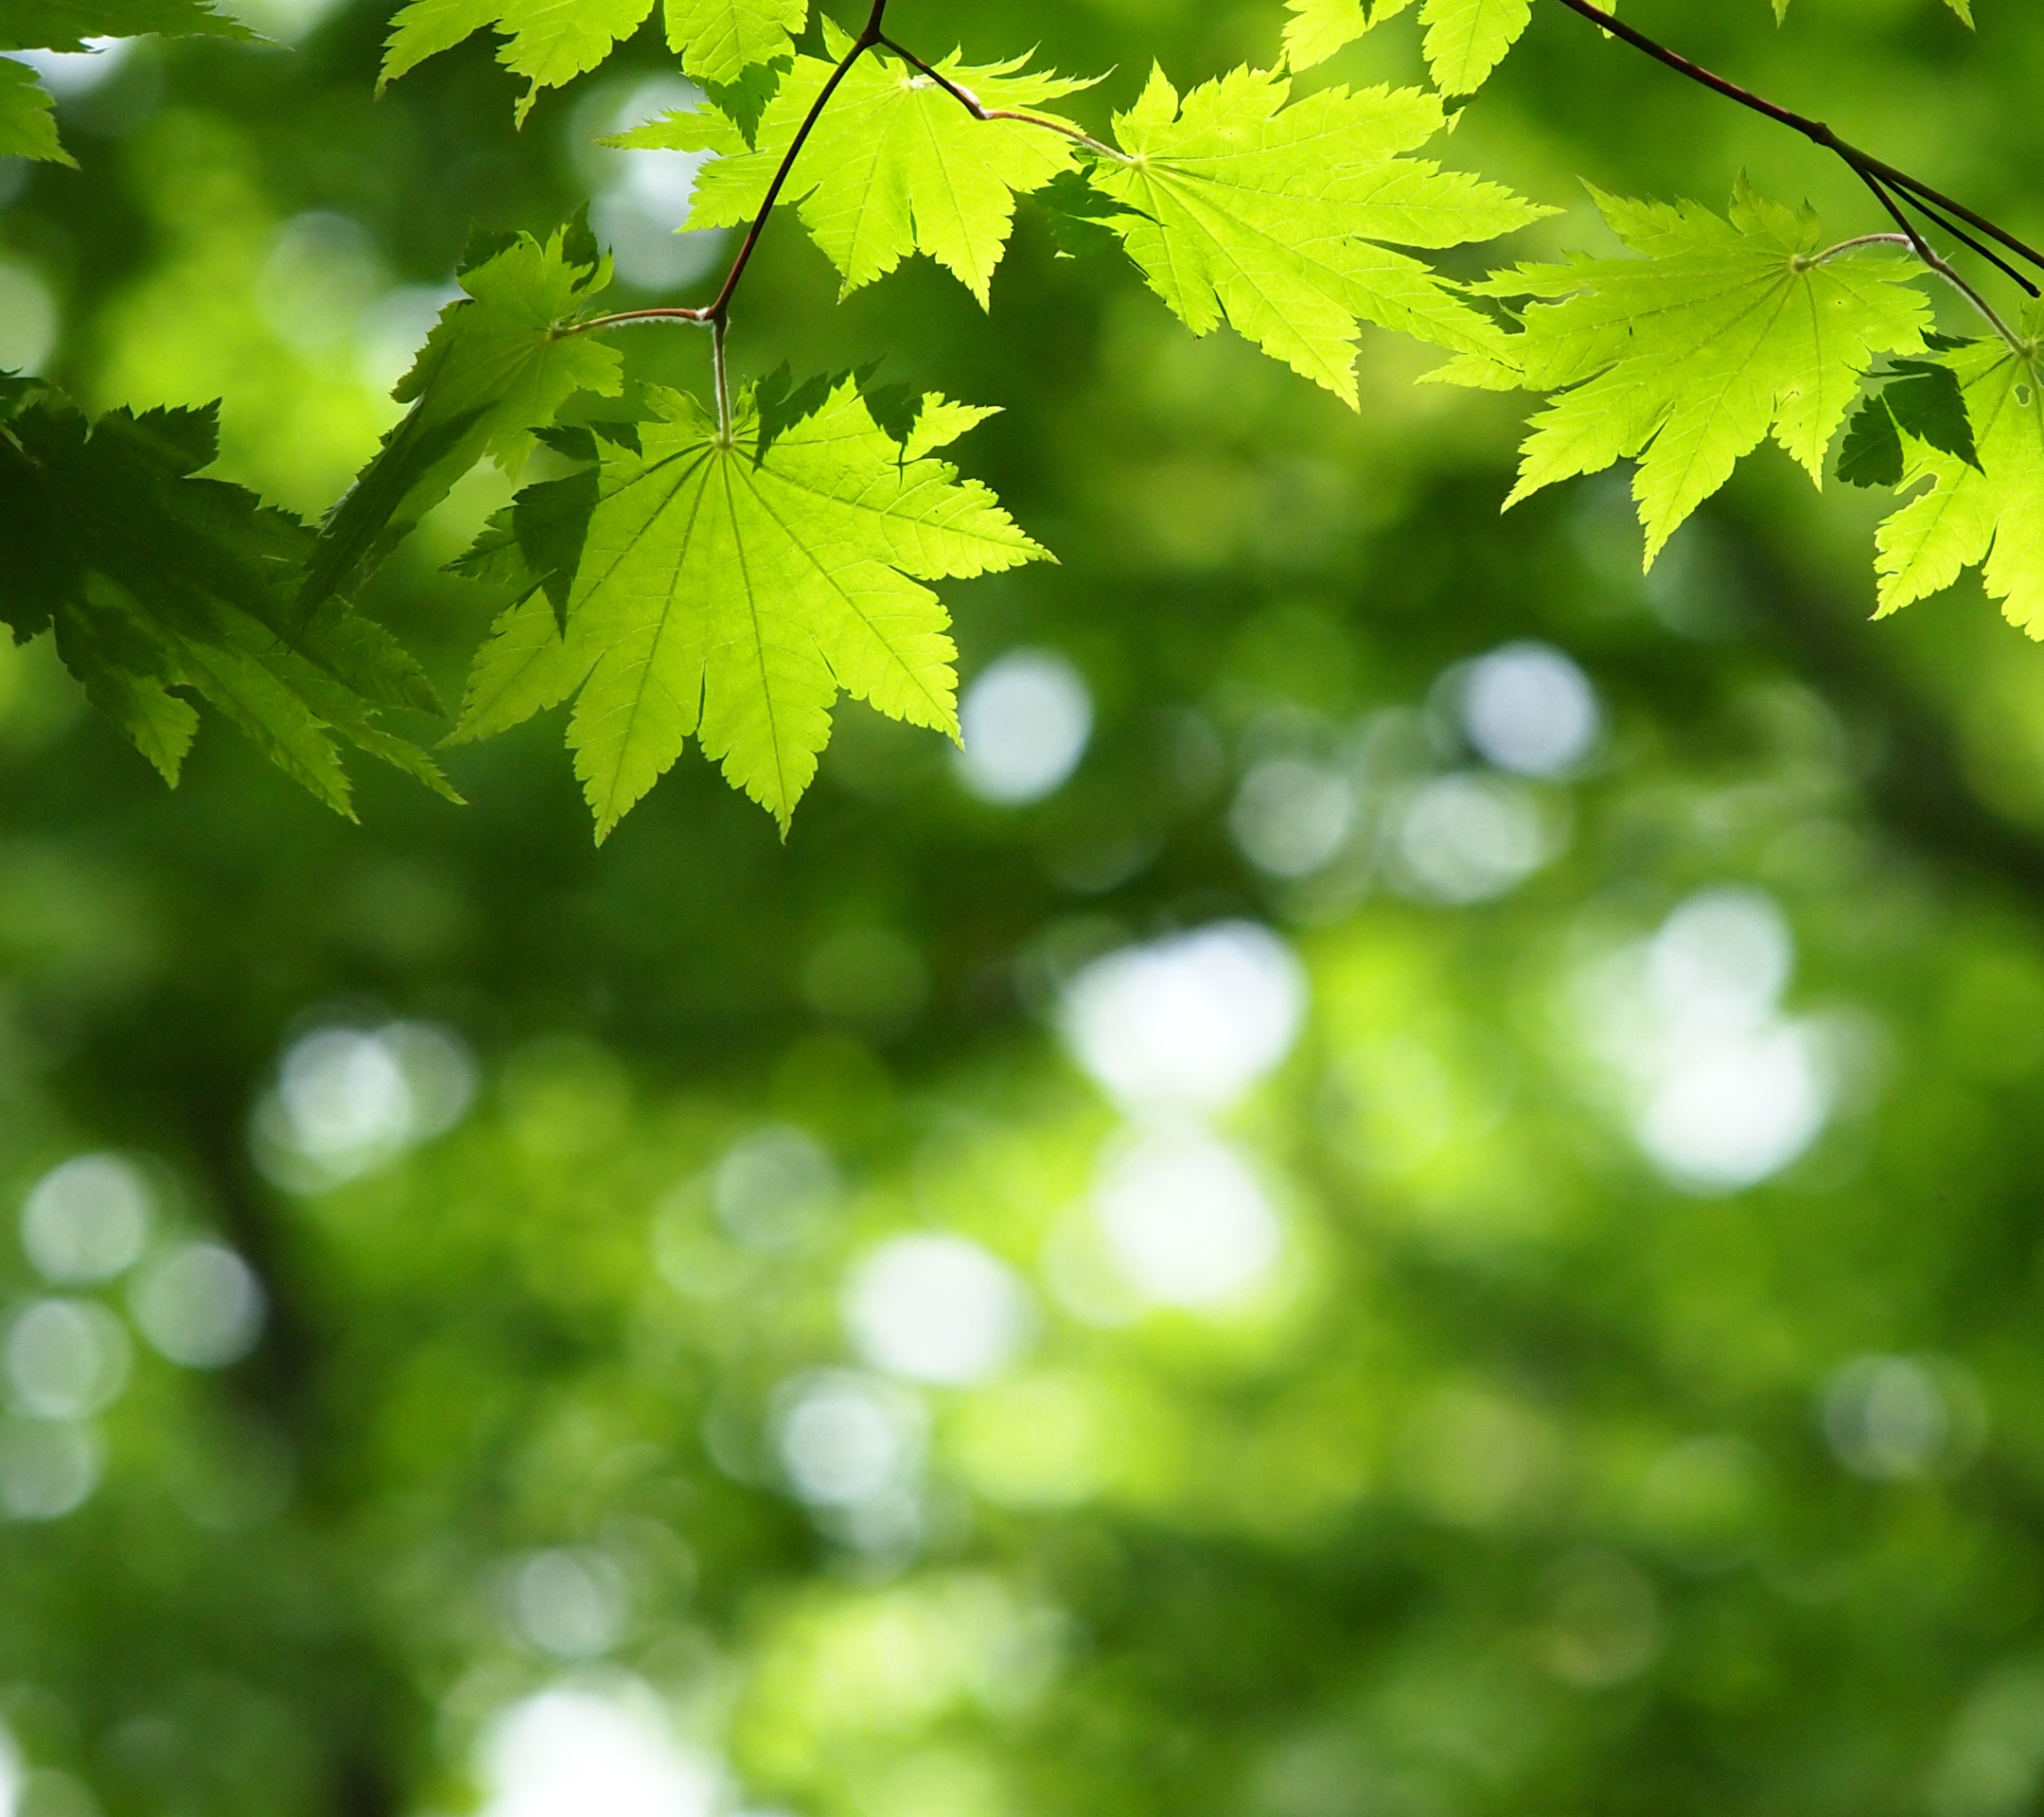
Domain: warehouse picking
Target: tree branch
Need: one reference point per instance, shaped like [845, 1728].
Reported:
[1879, 176]
[716, 315]
[973, 105]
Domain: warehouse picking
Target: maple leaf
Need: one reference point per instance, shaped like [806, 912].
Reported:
[1465, 40]
[27, 123]
[719, 40]
[1686, 357]
[68, 24]
[1987, 512]
[28, 119]
[1239, 207]
[493, 371]
[1926, 401]
[729, 589]
[154, 579]
[552, 42]
[896, 165]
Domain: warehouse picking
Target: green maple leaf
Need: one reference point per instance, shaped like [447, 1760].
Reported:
[27, 123]
[28, 117]
[896, 165]
[1272, 216]
[493, 372]
[720, 40]
[1686, 357]
[552, 42]
[154, 579]
[1926, 401]
[729, 588]
[1465, 39]
[1987, 514]
[67, 24]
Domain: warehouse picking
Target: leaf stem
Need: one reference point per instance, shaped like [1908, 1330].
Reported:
[1854, 244]
[719, 329]
[1940, 264]
[1879, 176]
[717, 314]
[979, 111]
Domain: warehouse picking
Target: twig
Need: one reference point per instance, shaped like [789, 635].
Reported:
[1876, 174]
[1938, 263]
[979, 111]
[716, 315]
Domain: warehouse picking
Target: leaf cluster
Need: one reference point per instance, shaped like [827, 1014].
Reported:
[723, 571]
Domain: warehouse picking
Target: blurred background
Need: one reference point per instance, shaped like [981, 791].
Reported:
[1413, 1190]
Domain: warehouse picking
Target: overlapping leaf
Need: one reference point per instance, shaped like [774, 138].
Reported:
[1923, 399]
[27, 124]
[1465, 39]
[1989, 513]
[552, 42]
[729, 590]
[896, 165]
[493, 371]
[1273, 217]
[154, 581]
[1687, 355]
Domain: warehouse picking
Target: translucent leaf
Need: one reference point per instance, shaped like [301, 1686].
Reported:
[1989, 515]
[493, 372]
[719, 40]
[552, 42]
[1272, 218]
[729, 590]
[896, 165]
[1686, 357]
[1465, 39]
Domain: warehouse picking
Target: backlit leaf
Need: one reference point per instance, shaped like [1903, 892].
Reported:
[730, 591]
[493, 372]
[1274, 217]
[896, 165]
[1990, 516]
[1687, 355]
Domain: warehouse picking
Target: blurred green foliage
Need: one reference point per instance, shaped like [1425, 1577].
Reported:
[1585, 1360]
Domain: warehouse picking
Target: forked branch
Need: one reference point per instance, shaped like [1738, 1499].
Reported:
[1896, 190]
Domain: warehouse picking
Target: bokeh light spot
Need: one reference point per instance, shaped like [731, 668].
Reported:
[1892, 1418]
[66, 1358]
[775, 1188]
[46, 1469]
[1026, 721]
[1186, 1219]
[28, 320]
[87, 1220]
[572, 1752]
[1527, 708]
[348, 1101]
[846, 1438]
[937, 1309]
[1189, 1022]
[200, 1305]
[571, 1603]
[1466, 839]
[1292, 817]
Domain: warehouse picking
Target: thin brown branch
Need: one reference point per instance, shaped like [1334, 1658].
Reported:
[1879, 175]
[979, 111]
[717, 313]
